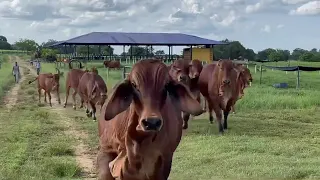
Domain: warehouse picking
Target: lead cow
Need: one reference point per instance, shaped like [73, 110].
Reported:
[92, 90]
[140, 126]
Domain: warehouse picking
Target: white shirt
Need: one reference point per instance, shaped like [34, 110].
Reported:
[38, 65]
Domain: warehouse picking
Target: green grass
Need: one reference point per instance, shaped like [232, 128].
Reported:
[6, 77]
[33, 143]
[273, 136]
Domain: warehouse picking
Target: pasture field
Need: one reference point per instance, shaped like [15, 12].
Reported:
[6, 77]
[274, 134]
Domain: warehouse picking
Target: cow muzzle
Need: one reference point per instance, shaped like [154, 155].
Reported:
[151, 124]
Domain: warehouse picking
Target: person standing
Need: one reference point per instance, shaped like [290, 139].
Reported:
[16, 72]
[38, 67]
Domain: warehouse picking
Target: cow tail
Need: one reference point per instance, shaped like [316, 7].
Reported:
[81, 65]
[33, 80]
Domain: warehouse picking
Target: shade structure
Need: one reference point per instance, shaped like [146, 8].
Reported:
[123, 38]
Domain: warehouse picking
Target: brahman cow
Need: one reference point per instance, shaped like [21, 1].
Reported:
[72, 81]
[48, 82]
[112, 64]
[188, 73]
[92, 90]
[140, 126]
[243, 81]
[218, 84]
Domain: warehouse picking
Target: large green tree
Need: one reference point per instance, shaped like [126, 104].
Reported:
[26, 44]
[4, 43]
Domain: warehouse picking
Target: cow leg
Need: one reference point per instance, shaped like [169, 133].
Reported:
[93, 110]
[103, 161]
[89, 113]
[210, 108]
[81, 104]
[39, 92]
[49, 95]
[45, 96]
[67, 96]
[216, 108]
[233, 110]
[74, 99]
[58, 96]
[225, 116]
[167, 169]
[185, 120]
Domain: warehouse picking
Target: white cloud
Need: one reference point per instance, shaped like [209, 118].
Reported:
[266, 29]
[310, 8]
[280, 26]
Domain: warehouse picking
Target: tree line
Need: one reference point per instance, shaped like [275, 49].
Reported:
[233, 50]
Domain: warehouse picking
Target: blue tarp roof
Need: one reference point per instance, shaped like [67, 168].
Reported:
[122, 38]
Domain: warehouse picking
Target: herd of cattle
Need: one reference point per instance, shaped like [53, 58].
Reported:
[141, 123]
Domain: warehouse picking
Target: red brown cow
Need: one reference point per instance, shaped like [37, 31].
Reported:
[243, 81]
[92, 90]
[140, 126]
[218, 84]
[112, 64]
[48, 82]
[188, 73]
[194, 73]
[72, 81]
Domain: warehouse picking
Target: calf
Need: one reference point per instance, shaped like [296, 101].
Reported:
[48, 82]
[218, 84]
[140, 126]
[73, 78]
[92, 90]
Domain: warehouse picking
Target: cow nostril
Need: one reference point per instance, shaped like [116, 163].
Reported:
[152, 123]
[226, 81]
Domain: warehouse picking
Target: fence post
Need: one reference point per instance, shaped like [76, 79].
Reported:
[260, 73]
[255, 68]
[107, 73]
[124, 72]
[298, 78]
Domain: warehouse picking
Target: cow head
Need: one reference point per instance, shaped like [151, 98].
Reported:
[226, 71]
[55, 81]
[146, 89]
[195, 69]
[179, 71]
[244, 74]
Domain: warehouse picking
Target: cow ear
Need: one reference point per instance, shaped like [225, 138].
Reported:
[119, 100]
[186, 101]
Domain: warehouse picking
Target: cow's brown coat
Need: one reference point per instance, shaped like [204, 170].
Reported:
[92, 90]
[141, 126]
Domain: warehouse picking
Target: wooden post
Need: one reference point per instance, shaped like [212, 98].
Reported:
[298, 79]
[255, 68]
[107, 74]
[260, 74]
[124, 72]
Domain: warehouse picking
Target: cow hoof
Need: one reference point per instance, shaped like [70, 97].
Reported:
[74, 107]
[220, 134]
[94, 118]
[233, 112]
[184, 126]
[64, 105]
[211, 122]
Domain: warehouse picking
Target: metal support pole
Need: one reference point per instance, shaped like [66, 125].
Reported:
[298, 79]
[88, 53]
[191, 53]
[169, 58]
[260, 74]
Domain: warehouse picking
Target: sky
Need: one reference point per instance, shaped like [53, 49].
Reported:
[257, 24]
